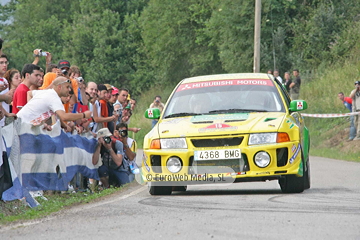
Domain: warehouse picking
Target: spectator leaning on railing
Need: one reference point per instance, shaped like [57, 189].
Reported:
[45, 103]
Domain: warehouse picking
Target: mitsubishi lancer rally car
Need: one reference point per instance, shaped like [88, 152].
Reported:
[227, 128]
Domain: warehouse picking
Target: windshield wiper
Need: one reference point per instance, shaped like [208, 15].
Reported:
[235, 110]
[181, 114]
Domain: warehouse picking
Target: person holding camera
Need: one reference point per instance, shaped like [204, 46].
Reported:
[157, 104]
[63, 70]
[130, 147]
[111, 151]
[355, 96]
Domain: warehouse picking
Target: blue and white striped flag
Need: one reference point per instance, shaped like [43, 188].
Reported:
[47, 160]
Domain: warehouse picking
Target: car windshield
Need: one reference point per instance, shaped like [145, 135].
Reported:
[209, 98]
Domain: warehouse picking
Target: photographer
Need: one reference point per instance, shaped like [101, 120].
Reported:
[157, 104]
[121, 134]
[355, 96]
[113, 168]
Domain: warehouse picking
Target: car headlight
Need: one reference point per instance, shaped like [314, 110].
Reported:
[262, 159]
[262, 138]
[173, 164]
[173, 143]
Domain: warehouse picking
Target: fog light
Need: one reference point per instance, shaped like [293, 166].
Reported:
[174, 164]
[262, 159]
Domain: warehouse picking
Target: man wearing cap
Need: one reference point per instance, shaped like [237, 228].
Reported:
[46, 103]
[113, 167]
[114, 92]
[156, 104]
[355, 96]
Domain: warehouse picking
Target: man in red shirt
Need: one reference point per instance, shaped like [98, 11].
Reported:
[32, 75]
[347, 101]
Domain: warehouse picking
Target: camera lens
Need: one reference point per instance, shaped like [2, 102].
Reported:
[123, 133]
[107, 139]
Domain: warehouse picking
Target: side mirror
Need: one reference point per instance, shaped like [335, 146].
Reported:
[298, 105]
[152, 113]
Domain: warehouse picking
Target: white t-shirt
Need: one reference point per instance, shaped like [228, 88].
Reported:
[41, 107]
[280, 79]
[4, 104]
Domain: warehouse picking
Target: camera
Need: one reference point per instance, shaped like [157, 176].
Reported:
[80, 79]
[123, 133]
[107, 139]
[40, 53]
[117, 111]
[64, 71]
[157, 101]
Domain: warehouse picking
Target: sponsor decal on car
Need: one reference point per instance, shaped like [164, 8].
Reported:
[290, 123]
[187, 86]
[292, 159]
[293, 148]
[213, 128]
[145, 164]
[300, 105]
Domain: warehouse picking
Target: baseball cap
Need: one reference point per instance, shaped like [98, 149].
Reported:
[115, 91]
[102, 87]
[128, 106]
[357, 82]
[63, 63]
[103, 132]
[108, 86]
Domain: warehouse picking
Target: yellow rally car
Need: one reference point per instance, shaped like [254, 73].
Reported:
[227, 128]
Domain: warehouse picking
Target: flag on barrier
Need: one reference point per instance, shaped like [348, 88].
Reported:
[47, 160]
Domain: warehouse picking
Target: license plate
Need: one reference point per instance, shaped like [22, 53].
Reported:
[217, 154]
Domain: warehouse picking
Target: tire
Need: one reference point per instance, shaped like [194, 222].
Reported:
[180, 188]
[307, 175]
[294, 184]
[160, 190]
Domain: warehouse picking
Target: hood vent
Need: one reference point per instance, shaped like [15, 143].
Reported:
[235, 120]
[203, 122]
[269, 119]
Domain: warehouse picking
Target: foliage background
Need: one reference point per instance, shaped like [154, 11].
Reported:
[141, 43]
[149, 45]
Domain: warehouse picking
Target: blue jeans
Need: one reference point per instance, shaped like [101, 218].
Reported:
[121, 177]
[352, 133]
[154, 122]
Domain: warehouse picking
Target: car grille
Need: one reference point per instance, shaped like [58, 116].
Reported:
[216, 166]
[217, 142]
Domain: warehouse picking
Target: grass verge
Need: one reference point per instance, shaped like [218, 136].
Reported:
[17, 210]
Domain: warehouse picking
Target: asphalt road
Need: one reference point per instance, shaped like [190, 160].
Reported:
[329, 210]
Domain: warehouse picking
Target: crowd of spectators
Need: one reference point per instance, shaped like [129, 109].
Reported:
[60, 93]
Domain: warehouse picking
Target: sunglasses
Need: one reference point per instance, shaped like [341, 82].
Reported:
[66, 81]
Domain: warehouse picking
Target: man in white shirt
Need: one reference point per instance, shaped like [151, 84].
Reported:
[46, 103]
[277, 76]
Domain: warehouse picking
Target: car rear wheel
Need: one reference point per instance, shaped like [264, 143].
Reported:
[160, 190]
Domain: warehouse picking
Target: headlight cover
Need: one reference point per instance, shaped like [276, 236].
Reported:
[262, 159]
[174, 164]
[173, 143]
[262, 138]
